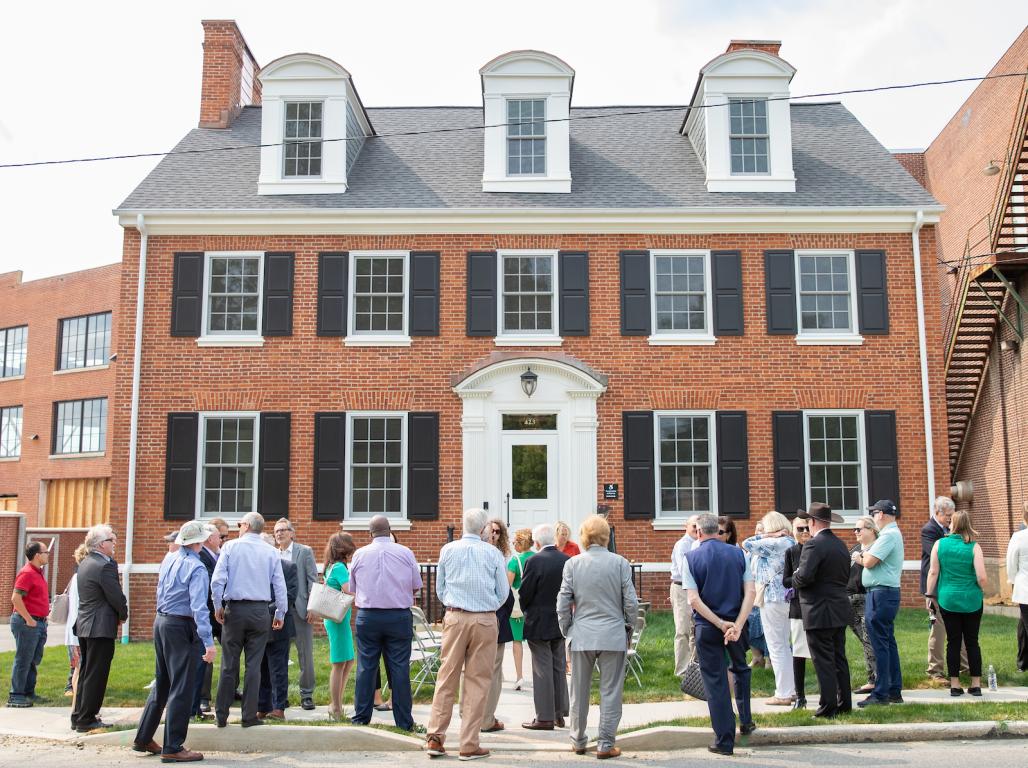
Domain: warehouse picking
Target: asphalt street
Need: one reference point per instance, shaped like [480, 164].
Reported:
[998, 753]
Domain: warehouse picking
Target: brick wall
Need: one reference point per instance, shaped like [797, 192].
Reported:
[915, 165]
[61, 567]
[229, 80]
[41, 304]
[10, 544]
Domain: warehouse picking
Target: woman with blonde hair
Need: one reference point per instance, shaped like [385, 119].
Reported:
[498, 538]
[866, 531]
[767, 551]
[70, 640]
[957, 580]
[515, 570]
[562, 536]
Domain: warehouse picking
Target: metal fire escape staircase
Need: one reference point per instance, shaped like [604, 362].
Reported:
[996, 250]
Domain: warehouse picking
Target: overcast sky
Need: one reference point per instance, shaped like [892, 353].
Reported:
[83, 79]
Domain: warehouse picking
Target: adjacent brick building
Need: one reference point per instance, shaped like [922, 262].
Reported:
[717, 304]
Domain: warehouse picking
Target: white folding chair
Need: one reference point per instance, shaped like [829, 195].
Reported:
[634, 663]
[425, 650]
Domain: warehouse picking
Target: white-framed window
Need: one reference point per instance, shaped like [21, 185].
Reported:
[826, 301]
[10, 432]
[232, 293]
[228, 451]
[378, 306]
[681, 302]
[526, 137]
[302, 143]
[528, 297]
[686, 463]
[85, 341]
[80, 426]
[835, 459]
[376, 458]
[14, 344]
[748, 137]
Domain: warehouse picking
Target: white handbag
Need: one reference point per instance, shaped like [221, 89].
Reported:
[328, 603]
[516, 612]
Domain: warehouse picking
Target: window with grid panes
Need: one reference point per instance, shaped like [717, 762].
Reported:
[679, 291]
[378, 303]
[833, 444]
[526, 137]
[85, 341]
[234, 294]
[376, 466]
[528, 294]
[302, 138]
[824, 292]
[748, 137]
[13, 347]
[685, 464]
[80, 426]
[229, 471]
[10, 432]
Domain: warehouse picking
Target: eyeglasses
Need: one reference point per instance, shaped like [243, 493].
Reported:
[495, 531]
[224, 536]
[802, 528]
[858, 529]
[106, 540]
[722, 533]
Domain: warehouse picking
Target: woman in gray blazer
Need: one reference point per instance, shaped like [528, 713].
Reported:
[596, 610]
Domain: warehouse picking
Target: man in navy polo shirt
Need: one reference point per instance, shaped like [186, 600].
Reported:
[720, 585]
[31, 599]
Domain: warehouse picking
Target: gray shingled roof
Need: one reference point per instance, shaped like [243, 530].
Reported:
[617, 161]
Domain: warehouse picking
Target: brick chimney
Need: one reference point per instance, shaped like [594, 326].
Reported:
[229, 74]
[767, 46]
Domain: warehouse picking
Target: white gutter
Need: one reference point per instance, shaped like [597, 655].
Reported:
[922, 342]
[137, 350]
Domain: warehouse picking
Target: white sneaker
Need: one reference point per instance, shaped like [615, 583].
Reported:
[519, 683]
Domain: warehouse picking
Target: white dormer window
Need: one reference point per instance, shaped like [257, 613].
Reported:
[303, 138]
[748, 135]
[526, 137]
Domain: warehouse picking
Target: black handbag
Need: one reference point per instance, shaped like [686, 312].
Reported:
[692, 681]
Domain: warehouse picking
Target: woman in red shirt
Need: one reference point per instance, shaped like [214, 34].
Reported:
[562, 533]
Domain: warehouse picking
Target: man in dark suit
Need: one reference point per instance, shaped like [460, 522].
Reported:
[540, 584]
[102, 607]
[937, 527]
[821, 580]
[274, 693]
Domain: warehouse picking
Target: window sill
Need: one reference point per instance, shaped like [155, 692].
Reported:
[669, 523]
[361, 524]
[675, 340]
[9, 458]
[66, 371]
[12, 378]
[528, 341]
[833, 340]
[91, 455]
[230, 341]
[377, 341]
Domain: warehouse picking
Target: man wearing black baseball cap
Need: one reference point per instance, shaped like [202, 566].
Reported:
[821, 580]
[883, 566]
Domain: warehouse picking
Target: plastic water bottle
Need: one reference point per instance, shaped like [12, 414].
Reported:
[992, 678]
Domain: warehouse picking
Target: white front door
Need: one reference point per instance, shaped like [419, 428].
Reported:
[530, 492]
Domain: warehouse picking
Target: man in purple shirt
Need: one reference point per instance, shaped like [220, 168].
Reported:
[384, 577]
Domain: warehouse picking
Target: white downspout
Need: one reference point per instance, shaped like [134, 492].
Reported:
[137, 348]
[922, 341]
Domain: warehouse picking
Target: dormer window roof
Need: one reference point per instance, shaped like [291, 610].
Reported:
[526, 99]
[313, 126]
[739, 119]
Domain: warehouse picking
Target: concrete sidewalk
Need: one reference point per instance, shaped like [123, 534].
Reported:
[54, 636]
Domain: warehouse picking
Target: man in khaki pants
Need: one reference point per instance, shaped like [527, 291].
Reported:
[472, 583]
[680, 601]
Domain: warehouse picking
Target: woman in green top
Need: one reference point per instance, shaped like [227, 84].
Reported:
[338, 551]
[956, 579]
[515, 569]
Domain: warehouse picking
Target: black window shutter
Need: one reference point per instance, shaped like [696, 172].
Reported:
[790, 473]
[574, 293]
[423, 466]
[278, 294]
[187, 295]
[273, 469]
[872, 297]
[733, 464]
[332, 286]
[727, 282]
[635, 293]
[329, 465]
[780, 274]
[882, 457]
[640, 476]
[180, 466]
[481, 309]
[424, 293]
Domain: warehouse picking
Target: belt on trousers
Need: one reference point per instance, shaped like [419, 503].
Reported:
[874, 589]
[255, 602]
[676, 582]
[174, 616]
[38, 618]
[462, 610]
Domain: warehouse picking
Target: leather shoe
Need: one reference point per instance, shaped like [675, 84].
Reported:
[220, 723]
[539, 725]
[872, 701]
[747, 728]
[897, 699]
[829, 714]
[93, 726]
[185, 756]
[251, 723]
[153, 747]
[578, 750]
[307, 703]
[718, 751]
[480, 752]
[496, 726]
[612, 752]
[559, 722]
[434, 746]
[275, 714]
[262, 715]
[205, 705]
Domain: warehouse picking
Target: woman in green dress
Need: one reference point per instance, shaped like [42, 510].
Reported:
[338, 551]
[515, 569]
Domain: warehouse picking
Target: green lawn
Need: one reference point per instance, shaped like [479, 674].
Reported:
[134, 663]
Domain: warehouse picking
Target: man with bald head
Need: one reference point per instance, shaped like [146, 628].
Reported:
[384, 577]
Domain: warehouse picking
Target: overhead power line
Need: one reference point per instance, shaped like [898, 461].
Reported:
[459, 129]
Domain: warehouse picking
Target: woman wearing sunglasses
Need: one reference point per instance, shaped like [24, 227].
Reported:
[797, 634]
[865, 531]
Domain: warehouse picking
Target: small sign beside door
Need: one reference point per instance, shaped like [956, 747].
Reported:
[610, 491]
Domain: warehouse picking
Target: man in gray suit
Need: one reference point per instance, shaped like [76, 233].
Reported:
[596, 609]
[306, 574]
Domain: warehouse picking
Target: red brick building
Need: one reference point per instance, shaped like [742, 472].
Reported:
[662, 311]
